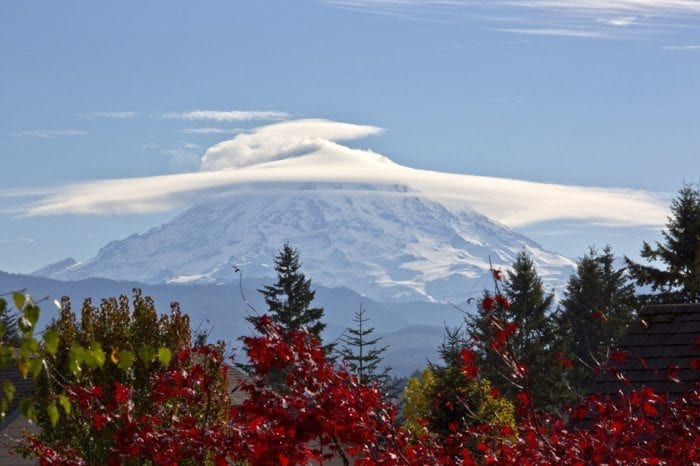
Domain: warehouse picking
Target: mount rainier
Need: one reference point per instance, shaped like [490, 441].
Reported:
[387, 242]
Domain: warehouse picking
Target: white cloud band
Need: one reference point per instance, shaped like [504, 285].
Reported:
[307, 151]
[52, 133]
[228, 115]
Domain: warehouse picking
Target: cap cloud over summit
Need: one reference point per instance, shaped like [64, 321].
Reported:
[308, 151]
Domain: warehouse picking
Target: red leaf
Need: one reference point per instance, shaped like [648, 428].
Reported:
[650, 410]
[561, 359]
[502, 301]
[523, 398]
[99, 421]
[121, 392]
[468, 356]
[619, 356]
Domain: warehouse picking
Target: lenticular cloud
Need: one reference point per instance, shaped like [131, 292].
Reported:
[309, 151]
[280, 141]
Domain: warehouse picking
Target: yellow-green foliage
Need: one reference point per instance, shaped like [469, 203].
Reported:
[425, 401]
[416, 399]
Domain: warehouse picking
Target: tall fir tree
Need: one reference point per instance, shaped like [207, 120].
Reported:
[597, 307]
[529, 309]
[364, 357]
[289, 299]
[8, 326]
[679, 280]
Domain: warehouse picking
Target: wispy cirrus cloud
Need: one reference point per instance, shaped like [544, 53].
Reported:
[687, 48]
[227, 115]
[110, 115]
[570, 18]
[308, 151]
[619, 21]
[210, 130]
[590, 34]
[51, 133]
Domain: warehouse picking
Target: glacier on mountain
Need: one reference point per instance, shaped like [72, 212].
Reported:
[387, 242]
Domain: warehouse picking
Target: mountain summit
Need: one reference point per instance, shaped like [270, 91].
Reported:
[388, 242]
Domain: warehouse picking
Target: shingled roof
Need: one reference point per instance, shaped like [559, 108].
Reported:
[661, 350]
[24, 387]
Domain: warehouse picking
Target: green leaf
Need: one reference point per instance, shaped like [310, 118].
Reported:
[126, 359]
[76, 357]
[147, 353]
[9, 389]
[52, 411]
[23, 366]
[51, 341]
[3, 306]
[27, 408]
[28, 347]
[31, 313]
[35, 366]
[165, 356]
[64, 402]
[20, 300]
[95, 356]
[5, 356]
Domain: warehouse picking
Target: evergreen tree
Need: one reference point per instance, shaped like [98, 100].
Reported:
[679, 280]
[529, 309]
[9, 334]
[594, 313]
[364, 357]
[289, 299]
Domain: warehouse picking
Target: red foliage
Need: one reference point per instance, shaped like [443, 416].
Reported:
[563, 360]
[320, 411]
[502, 301]
[487, 304]
[469, 367]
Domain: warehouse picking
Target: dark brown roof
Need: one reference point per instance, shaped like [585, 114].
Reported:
[23, 388]
[660, 350]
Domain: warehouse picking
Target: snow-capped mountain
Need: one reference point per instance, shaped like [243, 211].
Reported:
[388, 242]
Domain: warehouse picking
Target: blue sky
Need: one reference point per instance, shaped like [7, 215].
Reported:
[590, 93]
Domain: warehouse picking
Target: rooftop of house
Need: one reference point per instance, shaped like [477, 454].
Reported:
[661, 350]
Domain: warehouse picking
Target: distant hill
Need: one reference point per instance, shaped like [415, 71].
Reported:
[222, 309]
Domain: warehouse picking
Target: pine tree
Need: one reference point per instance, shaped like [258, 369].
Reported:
[364, 357]
[597, 306]
[679, 281]
[289, 299]
[531, 345]
[9, 334]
